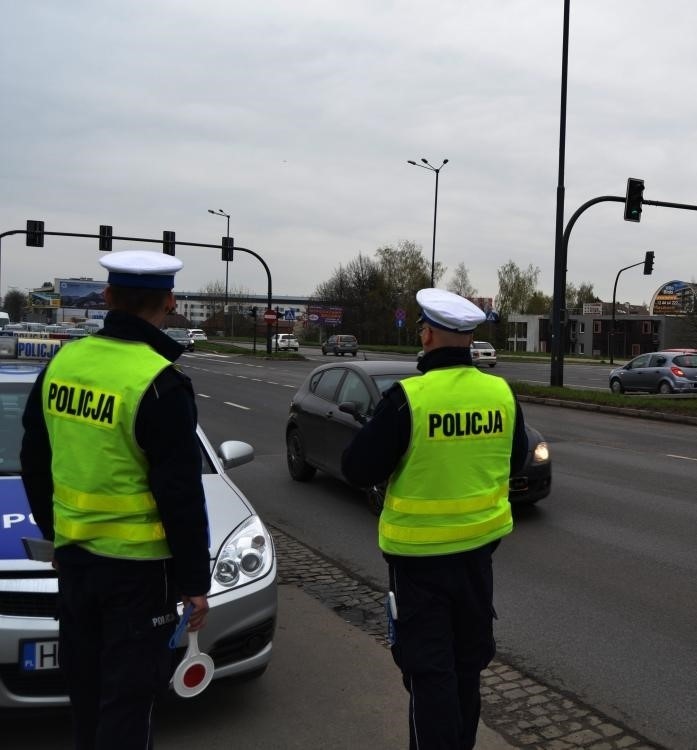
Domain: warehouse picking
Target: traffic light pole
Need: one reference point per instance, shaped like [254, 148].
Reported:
[614, 297]
[167, 239]
[559, 300]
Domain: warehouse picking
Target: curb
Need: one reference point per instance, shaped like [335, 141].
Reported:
[523, 711]
[622, 411]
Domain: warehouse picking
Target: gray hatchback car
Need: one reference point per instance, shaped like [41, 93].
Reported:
[657, 372]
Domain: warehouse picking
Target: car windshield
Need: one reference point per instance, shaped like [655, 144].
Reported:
[482, 345]
[13, 396]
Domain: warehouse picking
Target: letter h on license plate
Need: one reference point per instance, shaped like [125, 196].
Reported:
[38, 655]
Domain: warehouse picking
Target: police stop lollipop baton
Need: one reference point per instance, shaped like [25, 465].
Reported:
[195, 671]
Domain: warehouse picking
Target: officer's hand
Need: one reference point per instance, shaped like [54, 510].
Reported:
[197, 619]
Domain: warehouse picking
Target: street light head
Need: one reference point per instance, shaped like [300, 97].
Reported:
[211, 211]
[410, 161]
[445, 161]
[425, 161]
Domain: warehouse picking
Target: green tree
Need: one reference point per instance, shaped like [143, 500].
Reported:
[516, 287]
[576, 296]
[16, 303]
[539, 304]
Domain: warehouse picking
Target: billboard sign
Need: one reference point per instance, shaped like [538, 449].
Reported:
[674, 298]
[82, 294]
[325, 315]
[592, 308]
[44, 299]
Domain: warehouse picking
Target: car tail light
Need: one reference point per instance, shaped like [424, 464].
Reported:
[677, 371]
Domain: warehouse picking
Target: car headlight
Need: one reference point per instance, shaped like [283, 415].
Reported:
[541, 453]
[246, 555]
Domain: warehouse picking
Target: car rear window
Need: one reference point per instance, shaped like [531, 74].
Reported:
[686, 360]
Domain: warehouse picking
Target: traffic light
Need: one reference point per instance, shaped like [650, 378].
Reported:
[35, 233]
[105, 232]
[634, 199]
[228, 246]
[648, 263]
[168, 242]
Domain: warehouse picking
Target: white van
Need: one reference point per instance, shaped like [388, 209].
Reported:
[4, 319]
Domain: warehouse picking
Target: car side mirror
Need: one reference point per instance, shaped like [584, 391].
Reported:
[350, 407]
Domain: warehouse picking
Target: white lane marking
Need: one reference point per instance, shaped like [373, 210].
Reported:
[684, 458]
[203, 395]
[237, 406]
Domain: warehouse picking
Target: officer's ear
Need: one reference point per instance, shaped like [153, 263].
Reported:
[170, 304]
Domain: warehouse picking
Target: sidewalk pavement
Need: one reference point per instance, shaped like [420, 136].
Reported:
[329, 686]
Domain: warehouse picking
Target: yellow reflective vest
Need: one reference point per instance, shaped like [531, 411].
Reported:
[101, 496]
[449, 492]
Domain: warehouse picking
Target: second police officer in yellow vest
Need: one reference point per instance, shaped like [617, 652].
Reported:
[447, 441]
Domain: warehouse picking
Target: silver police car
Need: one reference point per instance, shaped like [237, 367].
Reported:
[242, 617]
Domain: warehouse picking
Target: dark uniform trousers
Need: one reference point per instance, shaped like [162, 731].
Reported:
[116, 619]
[443, 640]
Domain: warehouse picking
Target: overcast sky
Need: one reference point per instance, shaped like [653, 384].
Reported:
[297, 117]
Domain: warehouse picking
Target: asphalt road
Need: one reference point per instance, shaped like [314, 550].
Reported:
[596, 589]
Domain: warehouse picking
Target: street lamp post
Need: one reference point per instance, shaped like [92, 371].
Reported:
[220, 212]
[426, 165]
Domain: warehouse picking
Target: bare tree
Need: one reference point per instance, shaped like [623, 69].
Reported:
[460, 282]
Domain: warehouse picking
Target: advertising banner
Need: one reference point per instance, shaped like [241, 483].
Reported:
[81, 294]
[44, 299]
[674, 298]
[324, 315]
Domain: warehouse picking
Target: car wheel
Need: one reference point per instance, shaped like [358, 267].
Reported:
[616, 386]
[354, 353]
[664, 387]
[298, 467]
[336, 353]
[376, 497]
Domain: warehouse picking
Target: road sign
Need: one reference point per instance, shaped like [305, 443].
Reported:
[289, 314]
[400, 314]
[270, 316]
[400, 323]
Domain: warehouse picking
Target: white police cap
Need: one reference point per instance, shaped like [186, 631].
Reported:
[448, 311]
[144, 269]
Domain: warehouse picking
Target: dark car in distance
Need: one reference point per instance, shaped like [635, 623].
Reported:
[181, 336]
[335, 399]
[340, 344]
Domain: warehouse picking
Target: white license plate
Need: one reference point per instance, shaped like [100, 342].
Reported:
[35, 656]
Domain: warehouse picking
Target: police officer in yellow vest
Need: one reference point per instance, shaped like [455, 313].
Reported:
[447, 441]
[112, 469]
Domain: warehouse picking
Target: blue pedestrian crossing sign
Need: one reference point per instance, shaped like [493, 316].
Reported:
[289, 314]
